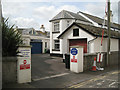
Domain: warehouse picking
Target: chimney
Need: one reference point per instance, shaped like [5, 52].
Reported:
[111, 16]
[42, 28]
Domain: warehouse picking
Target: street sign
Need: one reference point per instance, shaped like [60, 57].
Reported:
[74, 60]
[24, 65]
[74, 51]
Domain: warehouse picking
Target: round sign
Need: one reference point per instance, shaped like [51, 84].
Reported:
[74, 51]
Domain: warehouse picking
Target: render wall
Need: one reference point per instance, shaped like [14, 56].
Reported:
[93, 46]
[97, 44]
[9, 69]
[69, 35]
[53, 36]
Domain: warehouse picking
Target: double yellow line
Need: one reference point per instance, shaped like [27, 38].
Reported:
[94, 79]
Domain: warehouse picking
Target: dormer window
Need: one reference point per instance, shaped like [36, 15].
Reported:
[56, 26]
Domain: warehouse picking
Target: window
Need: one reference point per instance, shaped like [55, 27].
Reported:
[75, 32]
[45, 44]
[56, 26]
[57, 44]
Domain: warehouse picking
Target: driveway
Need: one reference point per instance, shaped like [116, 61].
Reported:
[50, 72]
[44, 65]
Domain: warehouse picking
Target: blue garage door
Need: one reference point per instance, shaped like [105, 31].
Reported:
[36, 47]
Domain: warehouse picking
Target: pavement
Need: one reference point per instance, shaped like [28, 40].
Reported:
[50, 72]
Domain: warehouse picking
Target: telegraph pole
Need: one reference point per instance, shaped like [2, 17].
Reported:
[108, 42]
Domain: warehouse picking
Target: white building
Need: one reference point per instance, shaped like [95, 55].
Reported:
[39, 40]
[68, 28]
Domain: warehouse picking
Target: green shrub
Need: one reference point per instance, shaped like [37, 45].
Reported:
[10, 39]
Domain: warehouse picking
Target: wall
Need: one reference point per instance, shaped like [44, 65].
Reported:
[69, 35]
[89, 58]
[97, 45]
[53, 36]
[9, 69]
[26, 39]
[94, 46]
[43, 45]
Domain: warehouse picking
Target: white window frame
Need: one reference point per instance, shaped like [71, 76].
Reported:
[56, 26]
[56, 43]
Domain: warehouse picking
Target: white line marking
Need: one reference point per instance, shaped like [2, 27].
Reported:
[48, 77]
[112, 84]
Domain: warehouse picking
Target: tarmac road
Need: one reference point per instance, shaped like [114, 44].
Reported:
[50, 72]
[53, 74]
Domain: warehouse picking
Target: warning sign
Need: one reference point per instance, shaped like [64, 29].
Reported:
[24, 65]
[74, 60]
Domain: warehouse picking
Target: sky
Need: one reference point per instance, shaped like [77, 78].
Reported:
[34, 13]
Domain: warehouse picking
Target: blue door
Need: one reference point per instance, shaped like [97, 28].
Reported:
[36, 47]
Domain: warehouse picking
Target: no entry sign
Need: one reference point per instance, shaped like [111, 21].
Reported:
[24, 65]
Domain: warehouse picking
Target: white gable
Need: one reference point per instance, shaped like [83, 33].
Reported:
[82, 34]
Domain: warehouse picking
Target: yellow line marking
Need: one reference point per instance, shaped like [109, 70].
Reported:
[94, 79]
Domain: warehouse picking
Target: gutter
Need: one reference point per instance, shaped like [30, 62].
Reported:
[91, 41]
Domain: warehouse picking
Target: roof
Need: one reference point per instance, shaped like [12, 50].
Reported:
[100, 20]
[68, 15]
[24, 30]
[94, 31]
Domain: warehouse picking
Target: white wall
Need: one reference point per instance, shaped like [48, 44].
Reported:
[97, 43]
[43, 44]
[26, 39]
[94, 46]
[69, 35]
[53, 36]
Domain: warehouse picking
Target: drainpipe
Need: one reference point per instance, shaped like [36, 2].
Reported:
[91, 41]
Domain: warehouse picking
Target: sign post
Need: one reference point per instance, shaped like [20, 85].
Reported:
[76, 59]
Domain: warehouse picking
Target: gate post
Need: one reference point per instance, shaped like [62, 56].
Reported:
[76, 59]
[24, 64]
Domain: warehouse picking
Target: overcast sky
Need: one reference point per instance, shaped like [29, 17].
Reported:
[32, 14]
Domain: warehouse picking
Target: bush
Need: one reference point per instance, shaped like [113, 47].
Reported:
[10, 39]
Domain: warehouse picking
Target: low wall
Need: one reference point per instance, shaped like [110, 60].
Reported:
[89, 58]
[9, 69]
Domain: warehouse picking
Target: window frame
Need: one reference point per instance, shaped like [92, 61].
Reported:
[56, 26]
[56, 43]
[75, 32]
[45, 44]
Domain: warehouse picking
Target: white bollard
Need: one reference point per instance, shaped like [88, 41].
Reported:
[76, 59]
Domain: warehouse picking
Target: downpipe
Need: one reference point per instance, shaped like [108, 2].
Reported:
[90, 42]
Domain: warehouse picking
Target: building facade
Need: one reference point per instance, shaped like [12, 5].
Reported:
[63, 21]
[39, 40]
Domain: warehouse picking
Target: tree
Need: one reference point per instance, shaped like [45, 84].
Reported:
[10, 39]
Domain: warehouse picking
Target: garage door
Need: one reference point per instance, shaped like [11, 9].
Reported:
[36, 47]
[80, 42]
